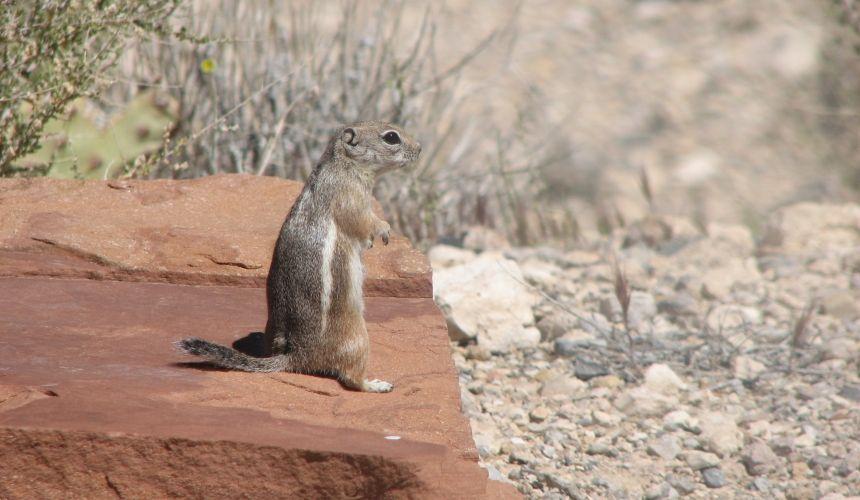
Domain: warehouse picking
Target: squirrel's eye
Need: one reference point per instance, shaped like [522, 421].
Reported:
[391, 138]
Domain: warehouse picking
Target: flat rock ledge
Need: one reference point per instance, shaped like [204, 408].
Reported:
[97, 279]
[217, 230]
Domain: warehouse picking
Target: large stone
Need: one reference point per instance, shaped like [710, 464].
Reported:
[100, 400]
[213, 230]
[487, 300]
[95, 402]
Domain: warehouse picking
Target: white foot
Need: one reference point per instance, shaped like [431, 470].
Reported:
[377, 385]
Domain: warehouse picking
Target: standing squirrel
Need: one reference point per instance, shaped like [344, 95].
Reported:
[314, 288]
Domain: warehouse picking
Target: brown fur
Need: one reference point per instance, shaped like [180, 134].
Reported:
[316, 322]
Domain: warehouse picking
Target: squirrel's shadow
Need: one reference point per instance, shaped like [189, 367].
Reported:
[253, 344]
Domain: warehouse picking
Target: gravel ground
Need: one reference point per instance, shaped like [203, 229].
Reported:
[665, 360]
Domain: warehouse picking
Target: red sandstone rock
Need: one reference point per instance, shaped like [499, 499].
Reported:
[95, 403]
[213, 230]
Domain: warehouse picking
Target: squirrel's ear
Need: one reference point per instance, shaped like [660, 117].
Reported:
[349, 136]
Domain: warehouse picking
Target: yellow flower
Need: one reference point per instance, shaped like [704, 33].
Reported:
[207, 66]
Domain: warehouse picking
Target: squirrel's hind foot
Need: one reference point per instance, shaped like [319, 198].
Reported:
[377, 385]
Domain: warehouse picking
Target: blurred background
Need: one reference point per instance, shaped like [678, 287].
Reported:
[546, 120]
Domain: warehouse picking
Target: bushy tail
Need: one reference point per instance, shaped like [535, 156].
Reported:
[226, 357]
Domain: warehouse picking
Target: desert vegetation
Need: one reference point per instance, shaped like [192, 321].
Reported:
[54, 52]
[252, 92]
[254, 88]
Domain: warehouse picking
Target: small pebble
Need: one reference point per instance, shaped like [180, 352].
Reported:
[713, 477]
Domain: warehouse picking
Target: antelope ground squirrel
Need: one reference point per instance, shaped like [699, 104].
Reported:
[314, 288]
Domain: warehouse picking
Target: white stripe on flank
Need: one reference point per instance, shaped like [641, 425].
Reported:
[327, 254]
[356, 274]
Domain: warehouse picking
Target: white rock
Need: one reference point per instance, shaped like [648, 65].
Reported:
[442, 256]
[605, 419]
[697, 168]
[660, 378]
[485, 299]
[540, 273]
[540, 414]
[486, 437]
[644, 402]
[666, 447]
[679, 419]
[720, 433]
[698, 460]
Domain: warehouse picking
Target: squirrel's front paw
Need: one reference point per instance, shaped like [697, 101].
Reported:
[385, 234]
[383, 230]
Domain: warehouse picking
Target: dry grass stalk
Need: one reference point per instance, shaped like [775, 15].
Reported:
[801, 333]
[273, 88]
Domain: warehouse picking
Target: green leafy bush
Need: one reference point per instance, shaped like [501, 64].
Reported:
[55, 51]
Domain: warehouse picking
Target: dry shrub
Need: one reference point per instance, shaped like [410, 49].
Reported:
[264, 96]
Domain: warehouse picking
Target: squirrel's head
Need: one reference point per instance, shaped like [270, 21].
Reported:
[377, 145]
